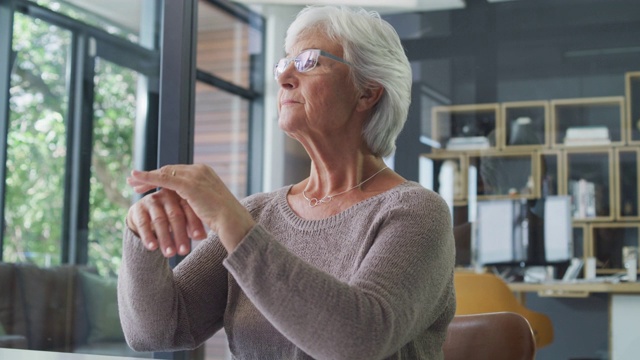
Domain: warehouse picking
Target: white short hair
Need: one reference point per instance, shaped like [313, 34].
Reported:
[373, 48]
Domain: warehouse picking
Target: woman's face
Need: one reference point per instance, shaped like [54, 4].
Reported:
[320, 102]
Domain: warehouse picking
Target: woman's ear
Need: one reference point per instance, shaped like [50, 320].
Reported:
[370, 97]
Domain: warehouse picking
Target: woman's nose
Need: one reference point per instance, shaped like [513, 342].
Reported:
[287, 77]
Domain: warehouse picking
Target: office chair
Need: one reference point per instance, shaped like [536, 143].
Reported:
[486, 293]
[491, 336]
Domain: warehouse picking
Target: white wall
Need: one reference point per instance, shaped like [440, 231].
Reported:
[277, 18]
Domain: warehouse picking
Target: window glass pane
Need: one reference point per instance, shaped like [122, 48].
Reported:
[112, 160]
[36, 143]
[47, 305]
[221, 134]
[225, 45]
[121, 18]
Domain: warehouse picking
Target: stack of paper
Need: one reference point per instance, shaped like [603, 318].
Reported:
[468, 143]
[587, 135]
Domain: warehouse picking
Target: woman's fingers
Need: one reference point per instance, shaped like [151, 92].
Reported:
[165, 177]
[178, 229]
[195, 228]
[144, 181]
[140, 223]
[204, 200]
[162, 221]
[139, 187]
[162, 229]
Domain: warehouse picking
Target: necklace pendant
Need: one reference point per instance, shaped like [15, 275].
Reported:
[326, 199]
[313, 202]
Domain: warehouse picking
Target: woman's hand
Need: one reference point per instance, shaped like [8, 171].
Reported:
[190, 197]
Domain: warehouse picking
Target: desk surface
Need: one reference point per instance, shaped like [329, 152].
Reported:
[10, 354]
[577, 289]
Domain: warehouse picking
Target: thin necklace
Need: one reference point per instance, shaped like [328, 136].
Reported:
[313, 202]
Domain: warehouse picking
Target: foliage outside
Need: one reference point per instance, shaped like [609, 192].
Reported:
[37, 150]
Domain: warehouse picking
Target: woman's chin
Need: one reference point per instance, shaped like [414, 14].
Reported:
[287, 125]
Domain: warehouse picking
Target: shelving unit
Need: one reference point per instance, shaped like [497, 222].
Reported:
[589, 180]
[588, 113]
[525, 125]
[627, 194]
[503, 174]
[554, 147]
[451, 176]
[472, 122]
[582, 241]
[607, 243]
[632, 93]
[550, 171]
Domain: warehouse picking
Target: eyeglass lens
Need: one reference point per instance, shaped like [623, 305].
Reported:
[304, 61]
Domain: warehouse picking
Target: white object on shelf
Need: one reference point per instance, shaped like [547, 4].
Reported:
[587, 132]
[583, 197]
[468, 143]
[587, 135]
[586, 142]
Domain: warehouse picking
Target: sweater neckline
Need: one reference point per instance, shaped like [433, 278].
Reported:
[292, 218]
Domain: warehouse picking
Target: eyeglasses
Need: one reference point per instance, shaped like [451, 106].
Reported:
[305, 61]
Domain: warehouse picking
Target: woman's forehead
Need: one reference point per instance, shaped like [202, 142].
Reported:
[314, 40]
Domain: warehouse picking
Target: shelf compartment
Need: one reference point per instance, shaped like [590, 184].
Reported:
[504, 175]
[465, 127]
[525, 124]
[550, 173]
[446, 175]
[632, 92]
[585, 117]
[627, 195]
[581, 241]
[607, 243]
[588, 178]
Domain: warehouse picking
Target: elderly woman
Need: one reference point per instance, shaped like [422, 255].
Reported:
[353, 262]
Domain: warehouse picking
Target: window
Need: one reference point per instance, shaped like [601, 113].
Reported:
[36, 142]
[83, 110]
[228, 49]
[76, 95]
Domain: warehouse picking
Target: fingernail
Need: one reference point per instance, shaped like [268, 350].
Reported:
[197, 234]
[169, 251]
[151, 246]
[183, 249]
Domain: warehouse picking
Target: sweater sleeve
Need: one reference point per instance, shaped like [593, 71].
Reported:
[161, 309]
[402, 288]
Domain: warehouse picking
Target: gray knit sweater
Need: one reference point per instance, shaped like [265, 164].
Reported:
[372, 282]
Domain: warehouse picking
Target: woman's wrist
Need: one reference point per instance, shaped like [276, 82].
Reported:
[234, 231]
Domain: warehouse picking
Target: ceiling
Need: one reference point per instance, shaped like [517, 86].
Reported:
[126, 13]
[382, 6]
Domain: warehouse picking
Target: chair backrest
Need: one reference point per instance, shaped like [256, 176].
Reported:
[490, 336]
[486, 293]
[482, 293]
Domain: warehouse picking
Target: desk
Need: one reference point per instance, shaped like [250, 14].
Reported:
[576, 289]
[624, 309]
[11, 354]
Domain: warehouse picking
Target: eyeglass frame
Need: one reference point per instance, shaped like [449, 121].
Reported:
[288, 61]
